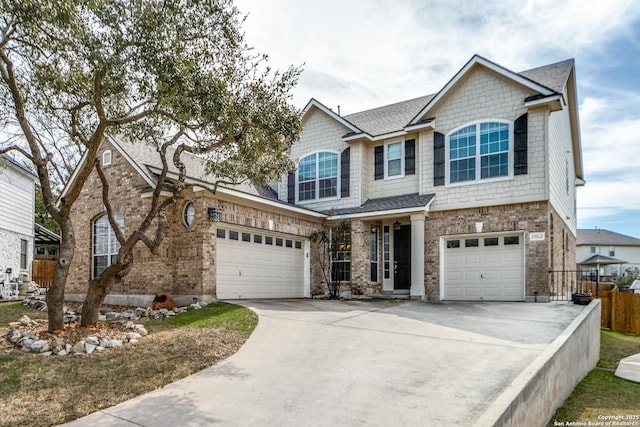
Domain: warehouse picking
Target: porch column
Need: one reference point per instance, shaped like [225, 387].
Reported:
[417, 255]
[359, 257]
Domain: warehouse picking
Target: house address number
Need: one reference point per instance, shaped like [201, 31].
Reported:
[536, 237]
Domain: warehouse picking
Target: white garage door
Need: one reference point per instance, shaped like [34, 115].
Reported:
[484, 267]
[257, 264]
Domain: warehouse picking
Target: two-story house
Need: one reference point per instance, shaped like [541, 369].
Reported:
[17, 207]
[610, 244]
[466, 194]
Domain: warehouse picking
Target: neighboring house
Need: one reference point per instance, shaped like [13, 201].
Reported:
[17, 207]
[610, 244]
[467, 194]
[47, 243]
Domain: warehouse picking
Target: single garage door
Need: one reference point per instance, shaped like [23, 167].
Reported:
[258, 264]
[484, 267]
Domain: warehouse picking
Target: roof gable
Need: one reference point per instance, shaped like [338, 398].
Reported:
[314, 104]
[478, 61]
[7, 161]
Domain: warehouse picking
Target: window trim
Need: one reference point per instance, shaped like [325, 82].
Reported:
[120, 219]
[342, 255]
[478, 156]
[317, 197]
[24, 254]
[105, 154]
[185, 221]
[386, 160]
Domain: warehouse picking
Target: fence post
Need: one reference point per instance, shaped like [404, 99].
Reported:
[597, 282]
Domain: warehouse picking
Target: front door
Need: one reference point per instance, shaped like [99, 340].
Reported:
[402, 258]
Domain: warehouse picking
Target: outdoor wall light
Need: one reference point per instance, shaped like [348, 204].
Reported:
[397, 226]
[374, 229]
[214, 214]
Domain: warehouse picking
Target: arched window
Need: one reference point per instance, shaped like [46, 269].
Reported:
[318, 176]
[105, 245]
[479, 151]
[106, 158]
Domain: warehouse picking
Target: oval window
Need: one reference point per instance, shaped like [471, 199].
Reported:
[189, 214]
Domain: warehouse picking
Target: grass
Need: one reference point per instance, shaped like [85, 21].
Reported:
[44, 391]
[601, 393]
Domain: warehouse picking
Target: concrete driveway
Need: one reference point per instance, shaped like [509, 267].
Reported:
[332, 363]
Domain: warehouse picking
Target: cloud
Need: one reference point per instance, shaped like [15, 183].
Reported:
[361, 54]
[397, 48]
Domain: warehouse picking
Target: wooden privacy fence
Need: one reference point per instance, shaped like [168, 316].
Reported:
[625, 312]
[42, 272]
[620, 310]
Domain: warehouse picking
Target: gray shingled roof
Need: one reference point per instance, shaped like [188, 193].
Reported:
[604, 238]
[388, 203]
[388, 118]
[553, 76]
[394, 117]
[146, 156]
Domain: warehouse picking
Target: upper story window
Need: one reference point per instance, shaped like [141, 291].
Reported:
[595, 250]
[479, 151]
[105, 244]
[612, 251]
[318, 176]
[394, 160]
[106, 158]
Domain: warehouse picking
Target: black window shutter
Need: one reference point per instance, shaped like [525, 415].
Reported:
[410, 157]
[379, 162]
[438, 158]
[291, 187]
[345, 157]
[520, 145]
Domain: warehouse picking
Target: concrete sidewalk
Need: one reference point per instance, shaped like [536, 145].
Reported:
[329, 363]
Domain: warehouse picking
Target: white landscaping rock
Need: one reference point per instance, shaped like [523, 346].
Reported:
[78, 347]
[133, 336]
[141, 330]
[40, 346]
[92, 340]
[88, 347]
[129, 325]
[25, 320]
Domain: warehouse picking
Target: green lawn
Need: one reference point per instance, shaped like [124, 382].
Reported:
[601, 393]
[45, 391]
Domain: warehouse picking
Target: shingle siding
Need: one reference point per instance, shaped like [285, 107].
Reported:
[486, 95]
[561, 168]
[324, 133]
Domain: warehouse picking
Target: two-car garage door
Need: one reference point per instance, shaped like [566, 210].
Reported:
[483, 267]
[258, 264]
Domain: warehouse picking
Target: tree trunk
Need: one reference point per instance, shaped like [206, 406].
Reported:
[98, 290]
[55, 294]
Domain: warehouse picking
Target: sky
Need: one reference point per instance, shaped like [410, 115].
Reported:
[361, 54]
